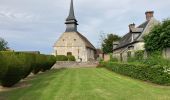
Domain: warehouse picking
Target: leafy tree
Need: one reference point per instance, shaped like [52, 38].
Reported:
[159, 37]
[107, 44]
[3, 44]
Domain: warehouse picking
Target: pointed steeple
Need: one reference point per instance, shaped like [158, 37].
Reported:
[71, 13]
[71, 22]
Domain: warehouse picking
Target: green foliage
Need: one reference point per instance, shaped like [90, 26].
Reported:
[50, 61]
[139, 55]
[113, 59]
[71, 58]
[3, 45]
[14, 71]
[159, 37]
[107, 43]
[16, 66]
[61, 58]
[2, 68]
[156, 58]
[40, 61]
[28, 60]
[156, 74]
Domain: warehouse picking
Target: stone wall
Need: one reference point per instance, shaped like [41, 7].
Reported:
[71, 42]
[72, 64]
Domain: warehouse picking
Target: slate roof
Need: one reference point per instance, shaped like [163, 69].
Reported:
[127, 39]
[86, 41]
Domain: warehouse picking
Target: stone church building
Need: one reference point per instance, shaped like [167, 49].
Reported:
[71, 42]
[133, 40]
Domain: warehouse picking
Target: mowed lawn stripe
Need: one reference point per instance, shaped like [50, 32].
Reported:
[86, 84]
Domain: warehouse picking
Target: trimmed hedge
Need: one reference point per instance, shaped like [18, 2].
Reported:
[71, 58]
[155, 74]
[16, 66]
[61, 58]
[65, 58]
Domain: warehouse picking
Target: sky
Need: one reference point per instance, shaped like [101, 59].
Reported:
[35, 25]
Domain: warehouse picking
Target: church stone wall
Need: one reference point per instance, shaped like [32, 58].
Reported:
[71, 42]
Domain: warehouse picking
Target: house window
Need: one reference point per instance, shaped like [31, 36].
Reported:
[74, 39]
[63, 40]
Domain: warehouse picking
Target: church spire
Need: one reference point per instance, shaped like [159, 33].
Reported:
[71, 13]
[71, 22]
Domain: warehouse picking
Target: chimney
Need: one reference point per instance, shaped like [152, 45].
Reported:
[131, 26]
[149, 15]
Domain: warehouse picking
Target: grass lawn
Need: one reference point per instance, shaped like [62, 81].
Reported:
[86, 84]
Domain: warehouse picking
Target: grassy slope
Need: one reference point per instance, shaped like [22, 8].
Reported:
[87, 84]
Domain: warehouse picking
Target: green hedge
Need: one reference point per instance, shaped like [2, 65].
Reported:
[71, 58]
[16, 66]
[65, 58]
[61, 58]
[155, 74]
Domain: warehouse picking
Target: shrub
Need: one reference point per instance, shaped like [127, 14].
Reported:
[40, 61]
[61, 58]
[28, 62]
[159, 37]
[50, 61]
[139, 55]
[156, 74]
[71, 58]
[14, 71]
[2, 68]
[113, 59]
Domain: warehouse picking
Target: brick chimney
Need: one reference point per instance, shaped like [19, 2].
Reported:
[131, 26]
[149, 15]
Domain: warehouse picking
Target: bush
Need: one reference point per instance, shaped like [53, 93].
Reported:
[139, 55]
[50, 61]
[113, 59]
[16, 66]
[71, 58]
[40, 61]
[2, 68]
[14, 71]
[61, 58]
[28, 60]
[155, 74]
[159, 37]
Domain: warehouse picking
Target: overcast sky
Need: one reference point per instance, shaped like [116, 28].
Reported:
[37, 24]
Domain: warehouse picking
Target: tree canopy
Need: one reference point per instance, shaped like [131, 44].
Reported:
[3, 44]
[107, 43]
[159, 37]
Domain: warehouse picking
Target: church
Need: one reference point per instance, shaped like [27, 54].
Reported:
[71, 42]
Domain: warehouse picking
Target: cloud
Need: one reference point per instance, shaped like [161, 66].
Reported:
[37, 24]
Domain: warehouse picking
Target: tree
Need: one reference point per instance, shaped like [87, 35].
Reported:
[3, 44]
[159, 37]
[107, 44]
